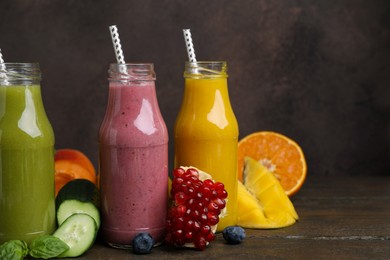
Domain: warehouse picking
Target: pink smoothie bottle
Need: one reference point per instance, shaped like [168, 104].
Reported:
[133, 157]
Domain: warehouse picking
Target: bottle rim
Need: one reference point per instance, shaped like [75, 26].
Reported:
[12, 73]
[205, 69]
[131, 72]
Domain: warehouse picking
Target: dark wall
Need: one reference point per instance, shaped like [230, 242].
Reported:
[316, 71]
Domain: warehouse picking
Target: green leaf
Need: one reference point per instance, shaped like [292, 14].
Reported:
[13, 250]
[47, 247]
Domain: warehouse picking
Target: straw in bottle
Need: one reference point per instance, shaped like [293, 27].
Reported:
[3, 69]
[196, 67]
[189, 45]
[117, 48]
[2, 65]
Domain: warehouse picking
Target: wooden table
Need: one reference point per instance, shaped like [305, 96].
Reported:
[340, 218]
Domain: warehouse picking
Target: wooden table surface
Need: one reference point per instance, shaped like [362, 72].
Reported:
[340, 218]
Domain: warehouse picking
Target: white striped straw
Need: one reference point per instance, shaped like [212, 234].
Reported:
[3, 69]
[189, 45]
[117, 44]
[2, 66]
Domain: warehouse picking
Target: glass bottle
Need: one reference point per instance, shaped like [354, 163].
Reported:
[133, 164]
[206, 129]
[27, 202]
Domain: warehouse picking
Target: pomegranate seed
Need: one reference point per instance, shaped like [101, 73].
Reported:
[180, 198]
[193, 179]
[210, 237]
[191, 203]
[204, 218]
[186, 175]
[205, 230]
[193, 172]
[195, 214]
[220, 202]
[206, 191]
[197, 226]
[213, 207]
[189, 236]
[181, 210]
[189, 225]
[178, 222]
[213, 219]
[200, 242]
[199, 206]
[178, 237]
[172, 213]
[190, 192]
[219, 186]
[222, 194]
[177, 182]
[197, 185]
[178, 233]
[213, 194]
[206, 200]
[178, 172]
[208, 183]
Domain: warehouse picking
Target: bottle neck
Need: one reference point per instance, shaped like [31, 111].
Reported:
[21, 108]
[20, 90]
[205, 79]
[205, 69]
[130, 86]
[20, 74]
[131, 72]
[206, 103]
[131, 83]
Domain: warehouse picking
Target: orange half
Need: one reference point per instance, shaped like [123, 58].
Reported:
[281, 155]
[72, 164]
[75, 156]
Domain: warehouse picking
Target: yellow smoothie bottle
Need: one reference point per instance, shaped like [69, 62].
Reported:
[206, 129]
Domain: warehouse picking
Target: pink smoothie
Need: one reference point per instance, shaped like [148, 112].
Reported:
[133, 143]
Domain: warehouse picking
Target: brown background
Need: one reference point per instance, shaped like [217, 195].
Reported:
[316, 71]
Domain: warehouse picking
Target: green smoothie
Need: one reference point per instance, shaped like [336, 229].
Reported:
[27, 207]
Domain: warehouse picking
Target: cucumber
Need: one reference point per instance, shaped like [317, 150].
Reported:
[78, 232]
[70, 207]
[78, 189]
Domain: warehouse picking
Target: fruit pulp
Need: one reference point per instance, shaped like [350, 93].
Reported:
[262, 201]
[196, 204]
[27, 206]
[133, 164]
[206, 136]
[280, 154]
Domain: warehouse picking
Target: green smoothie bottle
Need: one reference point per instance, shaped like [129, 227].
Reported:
[27, 207]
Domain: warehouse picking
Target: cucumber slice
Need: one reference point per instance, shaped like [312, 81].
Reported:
[70, 207]
[78, 232]
[78, 189]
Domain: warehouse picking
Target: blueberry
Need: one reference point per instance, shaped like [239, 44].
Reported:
[233, 234]
[142, 243]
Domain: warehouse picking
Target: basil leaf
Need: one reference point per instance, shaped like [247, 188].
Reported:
[13, 250]
[47, 247]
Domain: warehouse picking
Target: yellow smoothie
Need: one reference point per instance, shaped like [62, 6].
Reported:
[206, 134]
